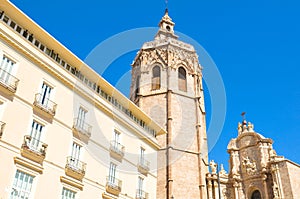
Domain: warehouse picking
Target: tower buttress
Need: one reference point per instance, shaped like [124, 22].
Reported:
[167, 85]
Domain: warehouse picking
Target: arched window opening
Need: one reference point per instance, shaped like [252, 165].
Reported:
[156, 78]
[182, 79]
[137, 86]
[256, 195]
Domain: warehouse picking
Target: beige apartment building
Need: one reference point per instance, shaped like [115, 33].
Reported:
[65, 131]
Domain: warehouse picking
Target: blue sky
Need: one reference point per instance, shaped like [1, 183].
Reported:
[255, 45]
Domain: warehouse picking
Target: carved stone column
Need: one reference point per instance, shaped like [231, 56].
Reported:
[277, 186]
[216, 188]
[209, 189]
[236, 191]
[264, 179]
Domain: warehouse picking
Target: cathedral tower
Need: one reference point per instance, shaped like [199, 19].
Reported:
[167, 85]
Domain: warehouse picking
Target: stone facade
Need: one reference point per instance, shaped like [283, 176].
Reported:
[173, 97]
[256, 171]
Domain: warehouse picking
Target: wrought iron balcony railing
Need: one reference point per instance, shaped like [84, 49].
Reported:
[140, 194]
[117, 148]
[33, 149]
[113, 185]
[45, 104]
[8, 81]
[34, 145]
[76, 164]
[75, 168]
[2, 125]
[143, 165]
[82, 127]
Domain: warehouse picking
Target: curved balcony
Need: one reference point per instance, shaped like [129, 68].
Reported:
[75, 168]
[2, 125]
[81, 129]
[116, 150]
[143, 166]
[113, 185]
[140, 194]
[33, 149]
[8, 81]
[45, 104]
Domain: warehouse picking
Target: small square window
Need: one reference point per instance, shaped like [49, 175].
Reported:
[68, 67]
[30, 38]
[63, 63]
[18, 29]
[12, 24]
[5, 19]
[36, 43]
[25, 34]
[42, 47]
[48, 51]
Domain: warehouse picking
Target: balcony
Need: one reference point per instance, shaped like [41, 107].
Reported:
[75, 168]
[33, 149]
[81, 130]
[116, 150]
[113, 185]
[140, 194]
[2, 125]
[143, 166]
[44, 104]
[8, 82]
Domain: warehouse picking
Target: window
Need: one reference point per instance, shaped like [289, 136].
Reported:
[75, 155]
[36, 43]
[116, 137]
[22, 185]
[112, 173]
[45, 94]
[36, 133]
[81, 117]
[156, 78]
[256, 195]
[67, 194]
[142, 155]
[12, 24]
[182, 79]
[6, 67]
[18, 29]
[137, 86]
[140, 187]
[5, 19]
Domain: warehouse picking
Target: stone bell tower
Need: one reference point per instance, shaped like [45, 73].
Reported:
[167, 85]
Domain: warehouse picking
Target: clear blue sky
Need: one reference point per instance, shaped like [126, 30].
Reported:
[255, 45]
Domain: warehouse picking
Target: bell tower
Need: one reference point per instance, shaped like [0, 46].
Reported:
[167, 85]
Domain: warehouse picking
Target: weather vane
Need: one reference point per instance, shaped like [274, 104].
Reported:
[243, 115]
[166, 4]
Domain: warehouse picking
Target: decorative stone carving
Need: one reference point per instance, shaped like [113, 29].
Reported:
[213, 167]
[250, 127]
[275, 191]
[272, 153]
[222, 171]
[250, 166]
[226, 193]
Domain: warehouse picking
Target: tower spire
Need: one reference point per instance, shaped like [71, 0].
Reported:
[167, 2]
[166, 25]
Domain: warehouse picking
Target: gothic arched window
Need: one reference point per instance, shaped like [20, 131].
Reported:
[182, 79]
[156, 78]
[256, 195]
[137, 86]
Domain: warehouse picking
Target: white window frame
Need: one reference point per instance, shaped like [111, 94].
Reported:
[70, 190]
[81, 116]
[16, 62]
[32, 188]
